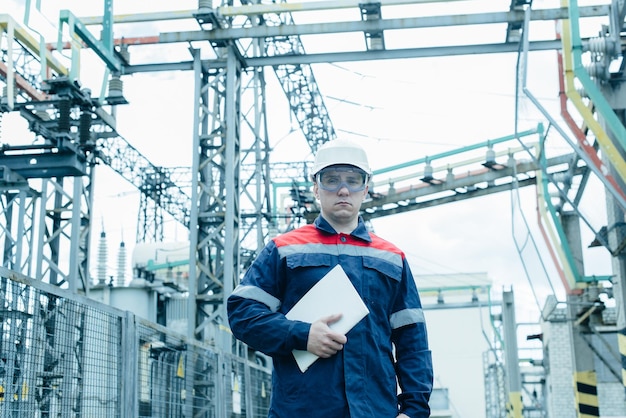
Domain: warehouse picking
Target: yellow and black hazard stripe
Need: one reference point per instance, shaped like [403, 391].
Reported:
[514, 406]
[586, 384]
[621, 343]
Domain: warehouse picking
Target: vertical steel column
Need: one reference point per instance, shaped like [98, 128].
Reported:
[24, 251]
[10, 81]
[129, 389]
[217, 250]
[232, 183]
[14, 324]
[255, 156]
[17, 232]
[75, 241]
[63, 234]
[255, 196]
[509, 325]
[581, 310]
[214, 224]
[194, 221]
[617, 238]
[616, 234]
[195, 192]
[248, 387]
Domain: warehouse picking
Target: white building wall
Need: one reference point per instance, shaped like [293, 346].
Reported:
[612, 399]
[559, 379]
[457, 343]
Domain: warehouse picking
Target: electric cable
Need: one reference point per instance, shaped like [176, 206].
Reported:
[515, 198]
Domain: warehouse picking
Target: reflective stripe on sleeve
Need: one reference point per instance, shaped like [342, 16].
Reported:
[406, 317]
[258, 294]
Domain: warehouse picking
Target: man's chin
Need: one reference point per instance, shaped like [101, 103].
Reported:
[343, 214]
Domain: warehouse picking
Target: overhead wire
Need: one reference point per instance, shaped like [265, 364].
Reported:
[562, 246]
[459, 274]
[515, 197]
[582, 155]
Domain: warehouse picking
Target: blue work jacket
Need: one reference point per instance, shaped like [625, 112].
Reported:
[384, 368]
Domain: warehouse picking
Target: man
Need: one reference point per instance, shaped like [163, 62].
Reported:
[358, 374]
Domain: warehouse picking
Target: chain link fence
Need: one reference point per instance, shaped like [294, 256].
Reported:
[64, 355]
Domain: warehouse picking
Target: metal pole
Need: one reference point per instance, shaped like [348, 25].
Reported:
[514, 405]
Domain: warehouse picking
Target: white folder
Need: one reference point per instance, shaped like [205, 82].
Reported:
[334, 293]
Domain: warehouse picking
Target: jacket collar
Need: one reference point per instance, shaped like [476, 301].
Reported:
[359, 232]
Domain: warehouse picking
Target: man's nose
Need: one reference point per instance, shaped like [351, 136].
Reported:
[343, 188]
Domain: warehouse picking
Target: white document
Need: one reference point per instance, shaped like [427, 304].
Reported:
[334, 293]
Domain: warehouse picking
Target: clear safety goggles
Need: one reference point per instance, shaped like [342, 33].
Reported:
[335, 178]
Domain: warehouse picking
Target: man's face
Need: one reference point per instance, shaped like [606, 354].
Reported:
[341, 190]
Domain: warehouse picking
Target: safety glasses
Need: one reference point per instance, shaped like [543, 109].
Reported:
[335, 178]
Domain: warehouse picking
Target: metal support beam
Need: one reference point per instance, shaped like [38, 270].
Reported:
[509, 325]
[584, 312]
[373, 26]
[215, 191]
[617, 235]
[374, 40]
[104, 49]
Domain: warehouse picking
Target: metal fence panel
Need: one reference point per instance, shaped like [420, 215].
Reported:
[59, 357]
[64, 355]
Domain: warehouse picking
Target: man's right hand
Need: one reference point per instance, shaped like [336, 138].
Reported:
[323, 341]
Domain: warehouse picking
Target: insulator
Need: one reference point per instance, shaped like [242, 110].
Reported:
[121, 265]
[64, 115]
[604, 46]
[490, 156]
[102, 259]
[597, 45]
[510, 162]
[116, 86]
[205, 4]
[597, 70]
[449, 176]
[428, 171]
[43, 115]
[84, 128]
[376, 43]
[125, 53]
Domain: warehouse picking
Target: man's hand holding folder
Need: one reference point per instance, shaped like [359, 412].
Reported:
[323, 341]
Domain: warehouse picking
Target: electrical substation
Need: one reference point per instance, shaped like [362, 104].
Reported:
[79, 341]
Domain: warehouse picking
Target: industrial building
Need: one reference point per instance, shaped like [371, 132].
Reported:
[149, 337]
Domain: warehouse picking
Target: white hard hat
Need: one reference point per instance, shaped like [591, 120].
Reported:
[340, 151]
